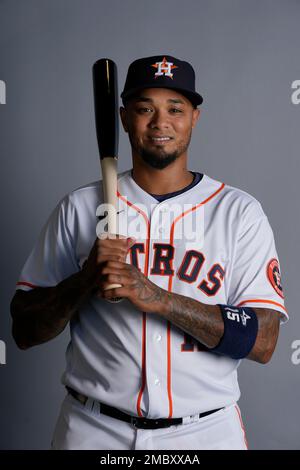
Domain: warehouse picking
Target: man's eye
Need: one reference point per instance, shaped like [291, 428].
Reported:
[176, 110]
[143, 110]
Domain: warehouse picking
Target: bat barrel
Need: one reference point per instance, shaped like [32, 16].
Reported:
[106, 106]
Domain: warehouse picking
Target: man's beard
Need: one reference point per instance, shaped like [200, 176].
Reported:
[159, 159]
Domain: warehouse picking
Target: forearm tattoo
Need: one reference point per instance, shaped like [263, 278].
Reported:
[147, 292]
[203, 322]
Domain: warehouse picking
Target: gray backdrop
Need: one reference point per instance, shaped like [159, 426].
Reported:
[246, 56]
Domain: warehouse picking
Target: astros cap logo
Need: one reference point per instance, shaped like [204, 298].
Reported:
[164, 68]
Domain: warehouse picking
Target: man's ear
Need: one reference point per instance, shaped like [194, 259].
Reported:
[196, 115]
[123, 115]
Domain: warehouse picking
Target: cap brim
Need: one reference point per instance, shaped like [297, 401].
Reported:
[193, 97]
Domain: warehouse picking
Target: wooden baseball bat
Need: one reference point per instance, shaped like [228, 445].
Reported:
[105, 83]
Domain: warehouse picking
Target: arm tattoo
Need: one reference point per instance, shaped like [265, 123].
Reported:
[147, 291]
[203, 322]
[42, 313]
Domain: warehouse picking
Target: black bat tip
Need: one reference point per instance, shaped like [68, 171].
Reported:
[104, 62]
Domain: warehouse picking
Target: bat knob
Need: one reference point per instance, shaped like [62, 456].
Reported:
[114, 300]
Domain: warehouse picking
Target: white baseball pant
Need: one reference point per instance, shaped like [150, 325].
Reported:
[84, 427]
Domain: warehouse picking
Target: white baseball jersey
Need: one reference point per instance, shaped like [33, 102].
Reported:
[212, 243]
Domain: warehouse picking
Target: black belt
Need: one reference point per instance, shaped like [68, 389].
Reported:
[141, 423]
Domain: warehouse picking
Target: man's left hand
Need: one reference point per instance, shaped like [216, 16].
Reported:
[144, 294]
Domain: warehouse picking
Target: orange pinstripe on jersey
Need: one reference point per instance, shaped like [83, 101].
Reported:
[24, 283]
[170, 289]
[242, 425]
[146, 267]
[138, 405]
[192, 209]
[169, 375]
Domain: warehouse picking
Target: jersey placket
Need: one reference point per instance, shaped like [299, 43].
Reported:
[156, 330]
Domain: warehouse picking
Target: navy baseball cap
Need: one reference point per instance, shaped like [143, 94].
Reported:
[161, 71]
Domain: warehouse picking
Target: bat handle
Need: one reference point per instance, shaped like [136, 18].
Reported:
[109, 178]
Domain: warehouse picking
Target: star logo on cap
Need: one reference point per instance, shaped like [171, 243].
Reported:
[164, 68]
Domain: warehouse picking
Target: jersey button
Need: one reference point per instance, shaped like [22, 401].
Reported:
[160, 229]
[157, 382]
[158, 338]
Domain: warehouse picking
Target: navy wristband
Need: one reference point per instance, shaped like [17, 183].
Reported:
[240, 331]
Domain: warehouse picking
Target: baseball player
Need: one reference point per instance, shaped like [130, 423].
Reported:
[199, 281]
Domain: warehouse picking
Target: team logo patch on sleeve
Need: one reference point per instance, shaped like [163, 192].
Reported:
[274, 276]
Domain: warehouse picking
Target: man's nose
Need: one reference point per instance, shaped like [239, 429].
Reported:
[159, 120]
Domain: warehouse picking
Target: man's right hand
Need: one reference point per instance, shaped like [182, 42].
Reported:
[106, 248]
